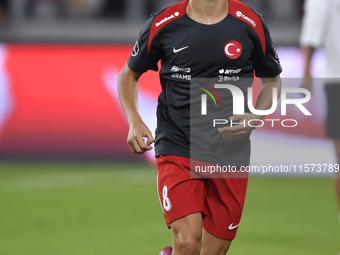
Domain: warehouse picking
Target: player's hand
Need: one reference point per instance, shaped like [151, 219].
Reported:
[239, 131]
[137, 131]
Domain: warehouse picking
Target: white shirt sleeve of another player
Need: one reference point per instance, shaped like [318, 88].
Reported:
[314, 23]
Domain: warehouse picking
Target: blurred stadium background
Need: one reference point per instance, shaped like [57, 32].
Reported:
[68, 182]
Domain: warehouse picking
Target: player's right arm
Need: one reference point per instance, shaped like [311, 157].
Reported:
[144, 57]
[128, 95]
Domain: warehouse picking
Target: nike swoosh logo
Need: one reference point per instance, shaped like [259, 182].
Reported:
[178, 50]
[231, 227]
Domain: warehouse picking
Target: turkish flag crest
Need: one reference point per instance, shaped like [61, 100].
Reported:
[233, 49]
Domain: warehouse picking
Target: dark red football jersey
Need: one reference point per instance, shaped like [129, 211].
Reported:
[228, 51]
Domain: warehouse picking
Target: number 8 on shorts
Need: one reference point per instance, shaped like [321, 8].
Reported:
[166, 201]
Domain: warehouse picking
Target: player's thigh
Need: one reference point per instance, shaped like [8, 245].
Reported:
[224, 206]
[212, 245]
[179, 194]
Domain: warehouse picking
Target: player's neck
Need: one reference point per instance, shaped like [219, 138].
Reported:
[208, 11]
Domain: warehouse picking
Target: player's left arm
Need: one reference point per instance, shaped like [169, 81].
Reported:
[264, 102]
[267, 66]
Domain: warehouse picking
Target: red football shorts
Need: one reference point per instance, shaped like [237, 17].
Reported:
[219, 200]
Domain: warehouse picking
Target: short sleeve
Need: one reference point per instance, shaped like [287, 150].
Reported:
[144, 55]
[265, 60]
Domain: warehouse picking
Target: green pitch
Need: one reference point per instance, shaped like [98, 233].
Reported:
[102, 209]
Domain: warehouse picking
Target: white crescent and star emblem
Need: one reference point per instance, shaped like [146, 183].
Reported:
[233, 49]
[227, 49]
